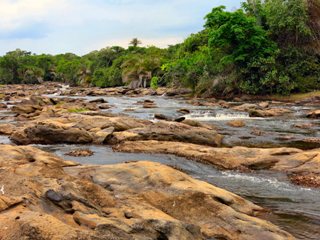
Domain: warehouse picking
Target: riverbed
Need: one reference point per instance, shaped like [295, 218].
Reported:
[295, 209]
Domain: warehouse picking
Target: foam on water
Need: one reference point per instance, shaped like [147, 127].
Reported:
[209, 116]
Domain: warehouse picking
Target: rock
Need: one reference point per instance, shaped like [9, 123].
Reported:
[75, 128]
[162, 117]
[104, 106]
[50, 134]
[180, 119]
[169, 131]
[7, 129]
[272, 112]
[176, 92]
[263, 104]
[303, 125]
[245, 107]
[98, 100]
[149, 105]
[25, 109]
[102, 136]
[236, 123]
[307, 179]
[289, 160]
[195, 123]
[257, 132]
[224, 104]
[80, 153]
[9, 202]
[184, 111]
[3, 106]
[139, 200]
[314, 114]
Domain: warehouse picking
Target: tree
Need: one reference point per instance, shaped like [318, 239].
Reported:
[135, 42]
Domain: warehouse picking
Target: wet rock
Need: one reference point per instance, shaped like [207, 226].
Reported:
[314, 114]
[98, 100]
[104, 106]
[184, 111]
[162, 117]
[80, 153]
[180, 119]
[236, 123]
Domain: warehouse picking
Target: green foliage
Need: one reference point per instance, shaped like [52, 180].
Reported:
[268, 46]
[287, 21]
[77, 110]
[154, 83]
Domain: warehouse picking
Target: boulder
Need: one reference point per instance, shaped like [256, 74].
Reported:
[50, 134]
[271, 112]
[169, 131]
[236, 123]
[245, 107]
[141, 200]
[313, 114]
[289, 160]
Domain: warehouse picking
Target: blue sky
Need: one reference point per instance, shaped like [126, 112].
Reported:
[80, 26]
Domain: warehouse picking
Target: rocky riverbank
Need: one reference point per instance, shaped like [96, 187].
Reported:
[143, 200]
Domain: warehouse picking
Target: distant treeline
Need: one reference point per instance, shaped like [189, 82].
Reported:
[266, 47]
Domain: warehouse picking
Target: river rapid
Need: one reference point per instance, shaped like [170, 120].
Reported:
[295, 209]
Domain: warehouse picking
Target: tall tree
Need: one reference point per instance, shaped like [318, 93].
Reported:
[135, 42]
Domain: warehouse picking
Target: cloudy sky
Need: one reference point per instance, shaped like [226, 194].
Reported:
[80, 26]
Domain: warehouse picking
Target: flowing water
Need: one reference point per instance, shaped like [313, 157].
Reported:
[293, 208]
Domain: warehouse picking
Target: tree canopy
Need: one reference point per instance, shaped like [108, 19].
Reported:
[266, 47]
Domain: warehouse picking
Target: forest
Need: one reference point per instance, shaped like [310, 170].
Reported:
[266, 47]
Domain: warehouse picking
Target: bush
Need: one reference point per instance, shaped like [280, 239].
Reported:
[154, 83]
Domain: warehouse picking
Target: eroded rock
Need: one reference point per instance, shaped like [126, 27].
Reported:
[139, 200]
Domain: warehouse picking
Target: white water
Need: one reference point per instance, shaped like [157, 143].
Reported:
[209, 116]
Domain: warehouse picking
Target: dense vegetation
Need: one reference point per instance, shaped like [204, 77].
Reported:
[266, 47]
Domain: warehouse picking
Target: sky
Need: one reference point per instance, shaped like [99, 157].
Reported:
[81, 26]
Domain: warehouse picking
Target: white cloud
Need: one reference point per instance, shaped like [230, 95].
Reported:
[83, 25]
[15, 14]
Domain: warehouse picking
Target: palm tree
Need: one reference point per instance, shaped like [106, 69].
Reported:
[135, 42]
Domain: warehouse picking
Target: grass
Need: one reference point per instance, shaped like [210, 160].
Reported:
[296, 96]
[77, 110]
